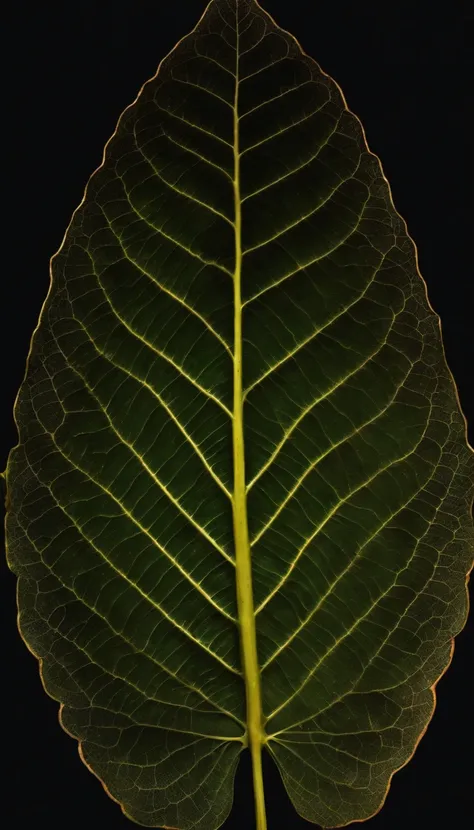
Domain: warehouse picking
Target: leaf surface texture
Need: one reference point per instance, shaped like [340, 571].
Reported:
[358, 476]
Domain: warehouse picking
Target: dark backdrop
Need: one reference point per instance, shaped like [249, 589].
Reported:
[73, 68]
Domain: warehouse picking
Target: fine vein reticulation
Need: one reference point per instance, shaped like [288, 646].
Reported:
[239, 505]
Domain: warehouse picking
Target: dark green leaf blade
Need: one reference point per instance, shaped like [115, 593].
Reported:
[127, 585]
[358, 475]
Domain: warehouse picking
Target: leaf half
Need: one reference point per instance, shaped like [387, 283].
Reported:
[239, 505]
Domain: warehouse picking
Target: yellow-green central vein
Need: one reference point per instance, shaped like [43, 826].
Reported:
[248, 638]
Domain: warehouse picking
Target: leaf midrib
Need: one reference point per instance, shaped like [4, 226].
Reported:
[245, 604]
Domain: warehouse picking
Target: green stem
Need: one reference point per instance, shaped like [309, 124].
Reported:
[245, 603]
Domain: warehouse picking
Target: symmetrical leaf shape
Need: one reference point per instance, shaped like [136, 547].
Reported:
[237, 286]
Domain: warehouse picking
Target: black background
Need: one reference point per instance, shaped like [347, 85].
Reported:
[404, 69]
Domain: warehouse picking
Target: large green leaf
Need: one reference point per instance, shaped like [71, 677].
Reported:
[237, 287]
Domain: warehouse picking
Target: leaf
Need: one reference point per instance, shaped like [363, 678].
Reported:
[237, 286]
